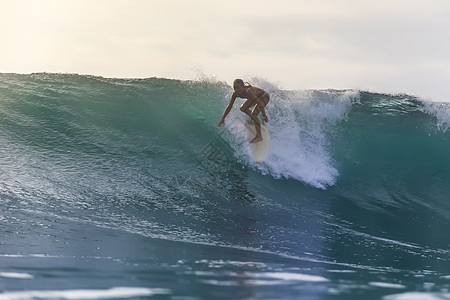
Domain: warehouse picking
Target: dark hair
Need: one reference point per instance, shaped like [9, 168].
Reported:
[238, 81]
[241, 82]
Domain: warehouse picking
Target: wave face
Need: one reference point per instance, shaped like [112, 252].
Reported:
[347, 171]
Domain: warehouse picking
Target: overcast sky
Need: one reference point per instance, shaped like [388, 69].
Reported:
[382, 45]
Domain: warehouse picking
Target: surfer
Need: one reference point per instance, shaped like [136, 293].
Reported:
[254, 97]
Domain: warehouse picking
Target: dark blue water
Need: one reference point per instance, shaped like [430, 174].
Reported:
[114, 188]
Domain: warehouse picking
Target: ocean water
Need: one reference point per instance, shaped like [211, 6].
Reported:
[127, 189]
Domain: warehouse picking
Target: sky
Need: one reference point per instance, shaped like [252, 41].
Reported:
[395, 46]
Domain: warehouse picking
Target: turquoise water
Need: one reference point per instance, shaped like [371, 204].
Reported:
[126, 188]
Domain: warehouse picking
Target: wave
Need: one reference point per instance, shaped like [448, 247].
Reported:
[356, 143]
[316, 135]
[145, 157]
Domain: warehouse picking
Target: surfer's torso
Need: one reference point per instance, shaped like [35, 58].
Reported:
[260, 93]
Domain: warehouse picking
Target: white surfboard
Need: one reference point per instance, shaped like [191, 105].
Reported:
[259, 149]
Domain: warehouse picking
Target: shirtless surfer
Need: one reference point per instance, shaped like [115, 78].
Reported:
[254, 97]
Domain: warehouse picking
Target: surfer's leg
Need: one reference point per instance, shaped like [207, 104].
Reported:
[254, 115]
[260, 106]
[245, 108]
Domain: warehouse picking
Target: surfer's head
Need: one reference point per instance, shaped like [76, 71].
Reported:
[238, 83]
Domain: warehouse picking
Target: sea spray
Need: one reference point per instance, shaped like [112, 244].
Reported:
[300, 124]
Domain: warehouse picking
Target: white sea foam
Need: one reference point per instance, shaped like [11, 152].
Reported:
[16, 275]
[291, 276]
[113, 293]
[418, 296]
[441, 111]
[387, 285]
[299, 126]
[266, 278]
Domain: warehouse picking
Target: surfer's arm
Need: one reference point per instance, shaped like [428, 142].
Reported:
[228, 109]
